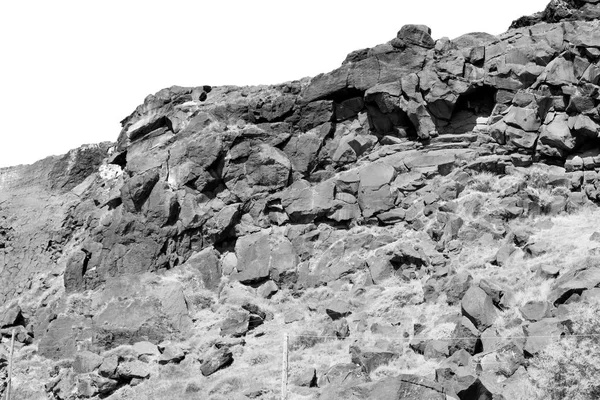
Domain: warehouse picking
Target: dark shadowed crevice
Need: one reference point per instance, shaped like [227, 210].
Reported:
[394, 123]
[345, 94]
[119, 159]
[475, 103]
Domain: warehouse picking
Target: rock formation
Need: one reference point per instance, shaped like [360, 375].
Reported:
[417, 175]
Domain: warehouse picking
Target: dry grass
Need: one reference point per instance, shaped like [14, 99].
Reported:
[569, 368]
[408, 363]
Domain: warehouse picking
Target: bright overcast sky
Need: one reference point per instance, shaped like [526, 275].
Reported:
[71, 70]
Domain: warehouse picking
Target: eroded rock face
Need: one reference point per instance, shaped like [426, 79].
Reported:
[366, 178]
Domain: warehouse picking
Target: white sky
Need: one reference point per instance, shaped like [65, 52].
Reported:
[70, 70]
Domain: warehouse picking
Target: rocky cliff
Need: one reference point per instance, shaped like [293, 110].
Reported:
[421, 221]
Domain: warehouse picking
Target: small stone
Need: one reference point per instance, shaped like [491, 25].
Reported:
[306, 378]
[133, 369]
[267, 289]
[595, 237]
[171, 354]
[338, 309]
[535, 310]
[146, 348]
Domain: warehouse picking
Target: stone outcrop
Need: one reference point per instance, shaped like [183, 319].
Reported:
[420, 173]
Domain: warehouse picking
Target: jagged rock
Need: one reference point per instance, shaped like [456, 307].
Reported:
[575, 281]
[74, 273]
[77, 165]
[11, 316]
[267, 289]
[535, 310]
[479, 308]
[457, 286]
[419, 35]
[555, 138]
[583, 125]
[338, 309]
[133, 370]
[536, 249]
[303, 149]
[262, 255]
[497, 293]
[103, 386]
[465, 337]
[136, 190]
[306, 378]
[216, 360]
[237, 324]
[303, 202]
[526, 119]
[108, 368]
[208, 264]
[520, 139]
[374, 193]
[86, 361]
[170, 353]
[250, 170]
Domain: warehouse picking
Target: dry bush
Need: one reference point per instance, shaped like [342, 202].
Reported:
[306, 340]
[484, 182]
[537, 177]
[227, 386]
[569, 368]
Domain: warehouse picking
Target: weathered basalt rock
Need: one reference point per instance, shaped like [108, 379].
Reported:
[222, 212]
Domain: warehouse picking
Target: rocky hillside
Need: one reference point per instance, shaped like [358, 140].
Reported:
[421, 223]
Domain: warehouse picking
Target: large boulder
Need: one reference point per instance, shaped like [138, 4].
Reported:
[464, 337]
[375, 194]
[216, 360]
[555, 138]
[575, 281]
[418, 35]
[155, 310]
[208, 264]
[526, 119]
[11, 316]
[479, 308]
[263, 255]
[304, 202]
[86, 361]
